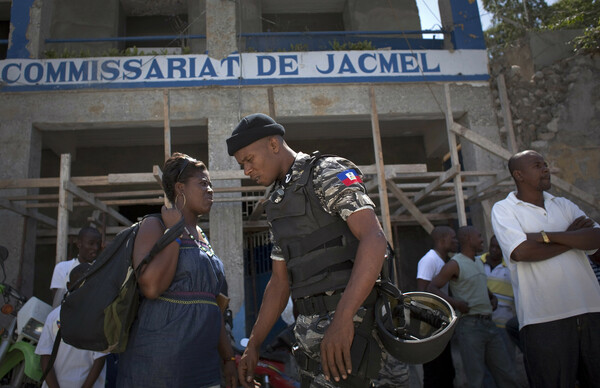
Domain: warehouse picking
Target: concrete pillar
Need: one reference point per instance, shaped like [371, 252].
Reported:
[226, 224]
[29, 28]
[85, 19]
[21, 146]
[197, 25]
[479, 117]
[220, 28]
[381, 15]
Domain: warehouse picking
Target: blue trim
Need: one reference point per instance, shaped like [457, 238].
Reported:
[468, 33]
[251, 82]
[344, 33]
[19, 20]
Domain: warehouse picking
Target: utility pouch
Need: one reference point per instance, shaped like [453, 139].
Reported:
[365, 354]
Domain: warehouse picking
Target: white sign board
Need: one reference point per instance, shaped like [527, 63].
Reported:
[245, 69]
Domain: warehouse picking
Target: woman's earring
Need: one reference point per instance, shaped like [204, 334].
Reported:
[176, 200]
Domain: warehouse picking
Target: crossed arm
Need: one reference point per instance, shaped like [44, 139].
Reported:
[581, 234]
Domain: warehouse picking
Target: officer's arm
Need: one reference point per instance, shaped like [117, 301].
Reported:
[335, 347]
[274, 301]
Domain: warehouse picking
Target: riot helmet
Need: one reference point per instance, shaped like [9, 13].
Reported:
[414, 327]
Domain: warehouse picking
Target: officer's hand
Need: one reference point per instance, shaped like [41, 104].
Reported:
[462, 306]
[170, 216]
[335, 349]
[247, 365]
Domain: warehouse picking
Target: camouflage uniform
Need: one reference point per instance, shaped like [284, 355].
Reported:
[338, 199]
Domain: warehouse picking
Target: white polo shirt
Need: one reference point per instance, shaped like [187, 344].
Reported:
[72, 365]
[429, 266]
[548, 290]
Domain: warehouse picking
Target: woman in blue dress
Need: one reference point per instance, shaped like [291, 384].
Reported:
[179, 338]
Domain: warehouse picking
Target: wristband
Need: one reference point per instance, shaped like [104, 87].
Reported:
[232, 358]
[545, 237]
[178, 241]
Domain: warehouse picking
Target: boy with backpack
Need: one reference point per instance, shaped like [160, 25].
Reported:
[73, 367]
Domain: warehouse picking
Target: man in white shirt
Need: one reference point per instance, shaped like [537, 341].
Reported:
[88, 246]
[439, 372]
[545, 239]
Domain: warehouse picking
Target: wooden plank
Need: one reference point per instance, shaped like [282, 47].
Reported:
[432, 205]
[30, 197]
[227, 174]
[271, 99]
[27, 213]
[27, 183]
[480, 141]
[411, 207]
[505, 154]
[490, 183]
[132, 178]
[410, 220]
[383, 198]
[83, 181]
[437, 182]
[91, 199]
[167, 124]
[391, 170]
[575, 191]
[62, 227]
[128, 194]
[506, 114]
[157, 173]
[460, 204]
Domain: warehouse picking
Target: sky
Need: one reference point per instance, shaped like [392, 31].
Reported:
[430, 15]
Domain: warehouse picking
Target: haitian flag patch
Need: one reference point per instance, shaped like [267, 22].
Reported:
[349, 177]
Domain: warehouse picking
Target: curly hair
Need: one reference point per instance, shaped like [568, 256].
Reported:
[179, 168]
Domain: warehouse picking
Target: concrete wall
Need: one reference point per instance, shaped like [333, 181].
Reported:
[20, 143]
[557, 112]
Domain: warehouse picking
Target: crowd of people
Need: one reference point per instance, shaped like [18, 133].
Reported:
[328, 252]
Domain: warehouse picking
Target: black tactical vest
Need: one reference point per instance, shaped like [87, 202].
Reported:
[318, 248]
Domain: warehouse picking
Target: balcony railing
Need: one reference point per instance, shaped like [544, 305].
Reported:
[302, 41]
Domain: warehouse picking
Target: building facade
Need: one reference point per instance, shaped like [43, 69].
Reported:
[95, 94]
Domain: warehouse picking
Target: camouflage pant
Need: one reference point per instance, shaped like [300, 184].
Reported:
[309, 331]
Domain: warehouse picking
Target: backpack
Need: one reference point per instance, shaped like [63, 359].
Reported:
[100, 308]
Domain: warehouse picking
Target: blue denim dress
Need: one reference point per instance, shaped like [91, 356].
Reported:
[173, 342]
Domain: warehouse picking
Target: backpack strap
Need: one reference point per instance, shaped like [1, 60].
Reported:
[52, 355]
[168, 237]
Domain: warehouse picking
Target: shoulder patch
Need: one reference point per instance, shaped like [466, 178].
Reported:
[349, 177]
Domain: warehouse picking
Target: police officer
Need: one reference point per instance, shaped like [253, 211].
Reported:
[328, 251]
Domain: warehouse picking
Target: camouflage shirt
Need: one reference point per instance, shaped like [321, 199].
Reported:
[337, 185]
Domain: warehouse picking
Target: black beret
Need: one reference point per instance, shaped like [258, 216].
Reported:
[252, 128]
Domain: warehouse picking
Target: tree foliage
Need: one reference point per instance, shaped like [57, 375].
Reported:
[513, 18]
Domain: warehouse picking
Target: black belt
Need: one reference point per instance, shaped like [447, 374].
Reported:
[320, 304]
[487, 317]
